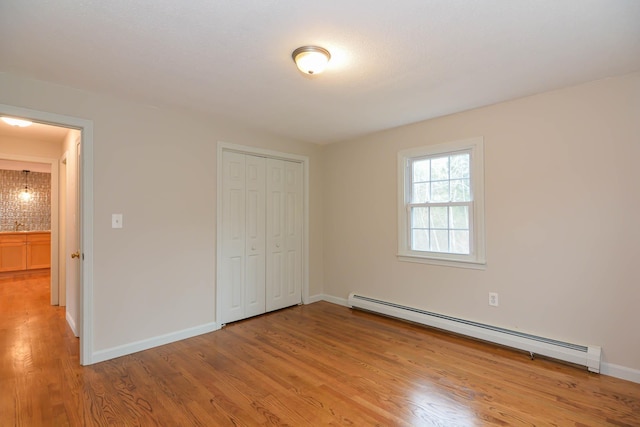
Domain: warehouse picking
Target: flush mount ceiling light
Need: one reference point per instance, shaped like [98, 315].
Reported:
[311, 59]
[16, 122]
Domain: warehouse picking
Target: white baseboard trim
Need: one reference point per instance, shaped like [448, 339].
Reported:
[314, 298]
[621, 372]
[123, 350]
[335, 300]
[71, 323]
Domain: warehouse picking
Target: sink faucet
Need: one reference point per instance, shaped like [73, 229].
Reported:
[18, 225]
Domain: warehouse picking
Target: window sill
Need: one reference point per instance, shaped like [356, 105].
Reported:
[474, 265]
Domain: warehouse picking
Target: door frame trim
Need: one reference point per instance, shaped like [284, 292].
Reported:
[86, 221]
[262, 152]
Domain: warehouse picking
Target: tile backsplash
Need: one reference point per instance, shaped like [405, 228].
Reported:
[35, 214]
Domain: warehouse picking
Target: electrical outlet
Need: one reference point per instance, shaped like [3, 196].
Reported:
[493, 299]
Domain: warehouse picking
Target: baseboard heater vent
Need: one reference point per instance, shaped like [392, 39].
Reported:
[588, 356]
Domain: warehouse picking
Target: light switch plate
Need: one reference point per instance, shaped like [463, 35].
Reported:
[116, 220]
[493, 299]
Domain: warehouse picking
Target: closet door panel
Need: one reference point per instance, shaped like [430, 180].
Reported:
[243, 237]
[293, 232]
[284, 234]
[232, 273]
[236, 265]
[275, 237]
[255, 236]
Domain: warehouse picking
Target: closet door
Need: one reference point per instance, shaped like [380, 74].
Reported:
[255, 236]
[242, 269]
[284, 234]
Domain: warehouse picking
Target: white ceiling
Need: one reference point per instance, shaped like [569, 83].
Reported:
[35, 132]
[393, 62]
[16, 165]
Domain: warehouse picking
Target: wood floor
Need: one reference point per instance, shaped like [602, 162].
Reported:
[319, 364]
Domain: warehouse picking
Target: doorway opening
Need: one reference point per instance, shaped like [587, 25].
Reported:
[71, 207]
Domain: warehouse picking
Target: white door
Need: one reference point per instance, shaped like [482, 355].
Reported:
[242, 269]
[72, 246]
[255, 236]
[284, 234]
[261, 229]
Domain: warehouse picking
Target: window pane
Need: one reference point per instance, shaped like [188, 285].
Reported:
[440, 191]
[420, 192]
[439, 217]
[460, 166]
[459, 217]
[459, 242]
[421, 170]
[440, 168]
[419, 217]
[420, 240]
[439, 240]
[460, 190]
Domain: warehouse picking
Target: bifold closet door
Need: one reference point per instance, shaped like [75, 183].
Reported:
[284, 234]
[242, 269]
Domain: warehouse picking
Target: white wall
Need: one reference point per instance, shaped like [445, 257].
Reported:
[157, 167]
[562, 208]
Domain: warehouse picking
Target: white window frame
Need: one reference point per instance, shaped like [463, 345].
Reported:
[476, 258]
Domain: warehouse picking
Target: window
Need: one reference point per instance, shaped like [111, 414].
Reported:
[440, 204]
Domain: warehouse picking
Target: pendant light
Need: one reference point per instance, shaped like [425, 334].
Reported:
[25, 194]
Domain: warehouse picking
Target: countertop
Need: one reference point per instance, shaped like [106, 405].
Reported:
[25, 232]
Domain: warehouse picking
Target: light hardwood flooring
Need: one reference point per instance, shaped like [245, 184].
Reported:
[312, 365]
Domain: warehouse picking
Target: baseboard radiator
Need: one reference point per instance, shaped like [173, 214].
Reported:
[588, 356]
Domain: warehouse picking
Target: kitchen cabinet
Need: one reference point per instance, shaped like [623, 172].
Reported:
[29, 250]
[38, 250]
[13, 251]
